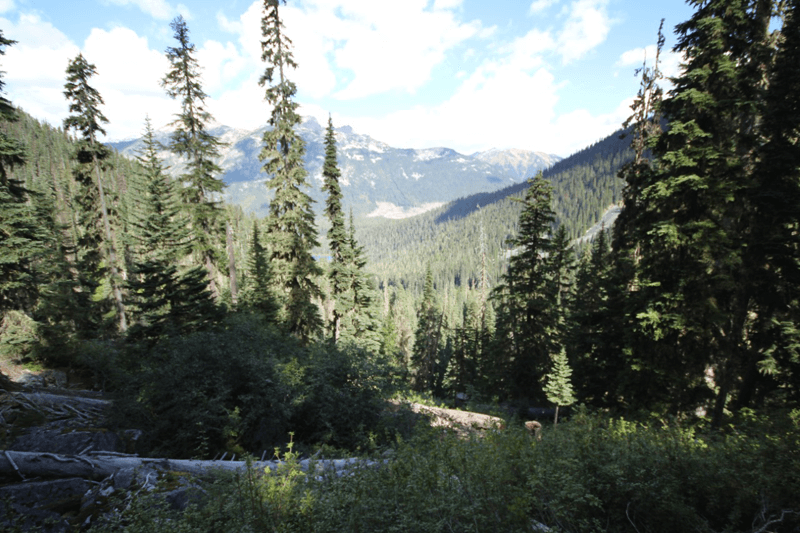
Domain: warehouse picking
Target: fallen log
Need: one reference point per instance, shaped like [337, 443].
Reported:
[27, 465]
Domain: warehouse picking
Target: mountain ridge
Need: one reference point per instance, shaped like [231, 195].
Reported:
[376, 177]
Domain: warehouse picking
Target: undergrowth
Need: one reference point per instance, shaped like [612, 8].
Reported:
[592, 473]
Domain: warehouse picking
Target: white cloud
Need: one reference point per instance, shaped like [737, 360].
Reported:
[587, 26]
[231, 26]
[128, 78]
[35, 67]
[377, 47]
[669, 61]
[158, 9]
[6, 5]
[540, 5]
[447, 4]
[220, 63]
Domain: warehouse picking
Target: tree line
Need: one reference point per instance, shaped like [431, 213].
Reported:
[688, 304]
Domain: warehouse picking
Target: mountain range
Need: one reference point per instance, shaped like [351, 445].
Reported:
[377, 179]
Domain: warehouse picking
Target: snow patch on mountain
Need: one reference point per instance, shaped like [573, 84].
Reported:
[389, 210]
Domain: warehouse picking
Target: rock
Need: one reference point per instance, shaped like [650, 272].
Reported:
[43, 504]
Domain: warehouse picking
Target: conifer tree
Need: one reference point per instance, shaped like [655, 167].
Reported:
[558, 383]
[362, 322]
[86, 120]
[290, 222]
[192, 142]
[525, 333]
[773, 250]
[166, 299]
[427, 337]
[341, 252]
[695, 299]
[257, 292]
[21, 239]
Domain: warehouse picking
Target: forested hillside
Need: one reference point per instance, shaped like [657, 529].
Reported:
[662, 358]
[453, 238]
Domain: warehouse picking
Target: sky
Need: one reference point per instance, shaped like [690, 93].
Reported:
[545, 75]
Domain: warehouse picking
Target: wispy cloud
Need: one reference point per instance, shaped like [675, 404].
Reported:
[540, 5]
[587, 26]
[158, 9]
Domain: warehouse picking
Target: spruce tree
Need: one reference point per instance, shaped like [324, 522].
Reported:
[257, 293]
[197, 147]
[338, 239]
[695, 298]
[166, 299]
[526, 318]
[86, 119]
[558, 383]
[362, 322]
[290, 222]
[427, 337]
[21, 238]
[773, 250]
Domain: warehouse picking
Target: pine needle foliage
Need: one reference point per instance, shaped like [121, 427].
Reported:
[199, 148]
[338, 238]
[97, 244]
[167, 300]
[21, 239]
[290, 222]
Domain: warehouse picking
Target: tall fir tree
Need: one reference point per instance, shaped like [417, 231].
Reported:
[257, 290]
[98, 244]
[166, 299]
[198, 148]
[427, 337]
[290, 222]
[21, 238]
[773, 249]
[362, 323]
[338, 239]
[526, 319]
[695, 298]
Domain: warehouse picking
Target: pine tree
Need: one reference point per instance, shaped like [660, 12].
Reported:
[21, 239]
[695, 299]
[257, 292]
[166, 299]
[558, 383]
[192, 142]
[290, 223]
[86, 119]
[526, 318]
[341, 253]
[427, 337]
[361, 322]
[773, 250]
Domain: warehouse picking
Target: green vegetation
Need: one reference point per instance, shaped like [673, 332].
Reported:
[593, 474]
[676, 331]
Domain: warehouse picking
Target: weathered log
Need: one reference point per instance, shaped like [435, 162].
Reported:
[101, 465]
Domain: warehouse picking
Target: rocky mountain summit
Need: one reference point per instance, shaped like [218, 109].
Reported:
[377, 179]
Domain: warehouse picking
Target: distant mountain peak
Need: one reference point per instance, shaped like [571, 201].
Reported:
[374, 176]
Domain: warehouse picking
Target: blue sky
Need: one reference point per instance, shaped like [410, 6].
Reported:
[544, 75]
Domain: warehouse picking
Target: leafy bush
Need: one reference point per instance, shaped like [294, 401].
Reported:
[210, 391]
[244, 387]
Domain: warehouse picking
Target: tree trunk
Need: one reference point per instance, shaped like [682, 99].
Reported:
[231, 264]
[112, 253]
[101, 465]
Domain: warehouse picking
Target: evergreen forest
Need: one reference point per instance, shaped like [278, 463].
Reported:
[660, 355]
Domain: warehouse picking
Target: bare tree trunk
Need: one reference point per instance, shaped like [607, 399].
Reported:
[231, 264]
[112, 253]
